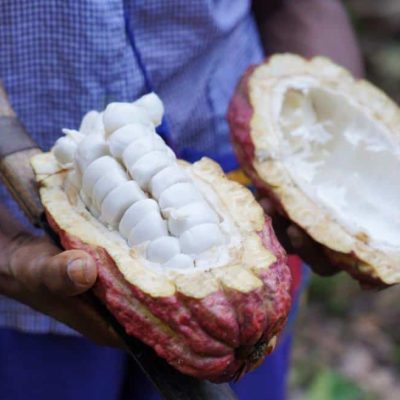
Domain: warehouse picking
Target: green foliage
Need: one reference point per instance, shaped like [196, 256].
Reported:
[397, 357]
[332, 293]
[329, 385]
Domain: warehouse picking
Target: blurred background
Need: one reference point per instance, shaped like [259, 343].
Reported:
[347, 342]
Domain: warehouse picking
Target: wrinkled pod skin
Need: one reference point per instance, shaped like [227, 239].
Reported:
[219, 337]
[239, 115]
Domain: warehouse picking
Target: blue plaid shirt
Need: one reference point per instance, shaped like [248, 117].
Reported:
[59, 59]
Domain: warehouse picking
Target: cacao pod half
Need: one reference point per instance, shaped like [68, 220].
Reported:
[187, 261]
[325, 148]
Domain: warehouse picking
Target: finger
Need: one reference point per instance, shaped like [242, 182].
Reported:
[267, 206]
[297, 238]
[68, 273]
[27, 260]
[311, 252]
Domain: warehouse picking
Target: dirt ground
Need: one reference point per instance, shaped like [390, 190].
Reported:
[347, 342]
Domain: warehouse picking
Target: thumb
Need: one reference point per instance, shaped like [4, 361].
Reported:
[68, 273]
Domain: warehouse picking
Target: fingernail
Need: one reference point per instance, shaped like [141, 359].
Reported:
[78, 273]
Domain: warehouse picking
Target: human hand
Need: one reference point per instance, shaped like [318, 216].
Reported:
[310, 28]
[296, 241]
[39, 275]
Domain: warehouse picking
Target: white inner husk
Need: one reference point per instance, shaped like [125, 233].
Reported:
[342, 158]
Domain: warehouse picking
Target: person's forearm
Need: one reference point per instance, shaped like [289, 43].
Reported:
[310, 28]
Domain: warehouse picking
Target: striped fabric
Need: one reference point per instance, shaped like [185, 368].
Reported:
[59, 59]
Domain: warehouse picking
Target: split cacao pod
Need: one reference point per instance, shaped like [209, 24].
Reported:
[325, 148]
[187, 261]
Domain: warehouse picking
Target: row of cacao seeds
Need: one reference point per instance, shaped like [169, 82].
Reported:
[130, 180]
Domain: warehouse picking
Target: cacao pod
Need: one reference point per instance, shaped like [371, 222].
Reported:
[187, 261]
[325, 149]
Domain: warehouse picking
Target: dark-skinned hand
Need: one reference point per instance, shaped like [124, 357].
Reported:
[51, 281]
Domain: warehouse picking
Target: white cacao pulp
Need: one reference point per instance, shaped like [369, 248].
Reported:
[340, 155]
[132, 183]
[186, 260]
[325, 147]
